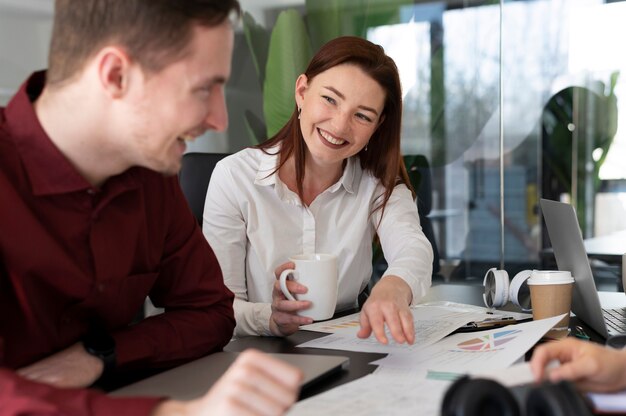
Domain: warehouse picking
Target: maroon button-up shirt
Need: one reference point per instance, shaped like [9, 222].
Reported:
[72, 255]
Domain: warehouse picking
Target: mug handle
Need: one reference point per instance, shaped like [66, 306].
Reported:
[283, 283]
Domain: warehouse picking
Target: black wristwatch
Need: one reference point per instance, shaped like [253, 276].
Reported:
[102, 345]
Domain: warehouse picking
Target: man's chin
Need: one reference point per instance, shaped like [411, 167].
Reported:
[167, 169]
[171, 171]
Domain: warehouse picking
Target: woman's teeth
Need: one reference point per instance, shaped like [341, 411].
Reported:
[331, 139]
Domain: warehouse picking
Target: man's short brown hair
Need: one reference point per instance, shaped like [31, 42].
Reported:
[154, 33]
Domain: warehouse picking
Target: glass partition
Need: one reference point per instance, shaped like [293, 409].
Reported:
[509, 102]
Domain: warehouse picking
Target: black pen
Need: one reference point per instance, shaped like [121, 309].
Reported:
[494, 322]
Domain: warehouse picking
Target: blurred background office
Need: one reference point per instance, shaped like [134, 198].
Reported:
[508, 102]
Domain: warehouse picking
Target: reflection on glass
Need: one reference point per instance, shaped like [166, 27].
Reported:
[562, 80]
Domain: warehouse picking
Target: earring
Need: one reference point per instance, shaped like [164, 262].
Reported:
[366, 146]
[299, 112]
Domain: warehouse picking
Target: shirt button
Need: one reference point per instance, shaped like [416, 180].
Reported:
[101, 287]
[91, 191]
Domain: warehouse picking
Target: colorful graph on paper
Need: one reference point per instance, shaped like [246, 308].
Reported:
[339, 325]
[489, 341]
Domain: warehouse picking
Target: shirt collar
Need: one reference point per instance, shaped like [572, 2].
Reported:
[47, 168]
[348, 179]
[266, 176]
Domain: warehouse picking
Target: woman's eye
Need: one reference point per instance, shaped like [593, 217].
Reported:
[364, 117]
[329, 99]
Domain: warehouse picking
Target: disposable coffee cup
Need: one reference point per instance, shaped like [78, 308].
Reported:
[551, 295]
[318, 272]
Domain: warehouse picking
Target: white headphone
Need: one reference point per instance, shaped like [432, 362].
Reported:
[498, 291]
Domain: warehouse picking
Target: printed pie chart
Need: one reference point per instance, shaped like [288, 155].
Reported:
[489, 341]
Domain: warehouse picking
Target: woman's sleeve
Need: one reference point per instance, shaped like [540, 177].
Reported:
[224, 226]
[407, 250]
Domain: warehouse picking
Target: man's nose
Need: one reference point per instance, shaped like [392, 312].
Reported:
[217, 118]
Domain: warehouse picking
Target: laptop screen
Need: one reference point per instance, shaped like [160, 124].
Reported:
[570, 254]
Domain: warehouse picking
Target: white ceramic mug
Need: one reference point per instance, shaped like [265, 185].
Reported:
[318, 272]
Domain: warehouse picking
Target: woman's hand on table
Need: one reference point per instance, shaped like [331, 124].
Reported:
[284, 319]
[388, 304]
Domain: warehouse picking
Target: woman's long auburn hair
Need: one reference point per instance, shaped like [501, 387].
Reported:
[382, 157]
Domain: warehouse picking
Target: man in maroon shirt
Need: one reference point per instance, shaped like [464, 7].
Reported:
[92, 219]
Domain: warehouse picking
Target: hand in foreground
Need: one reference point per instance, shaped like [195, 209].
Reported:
[256, 384]
[591, 366]
[388, 304]
[71, 367]
[284, 320]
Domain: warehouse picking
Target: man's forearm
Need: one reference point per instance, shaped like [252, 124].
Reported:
[174, 337]
[20, 396]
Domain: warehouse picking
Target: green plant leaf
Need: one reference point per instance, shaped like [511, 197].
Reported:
[329, 19]
[289, 54]
[323, 19]
[258, 40]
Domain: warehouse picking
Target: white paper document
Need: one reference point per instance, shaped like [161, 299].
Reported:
[474, 351]
[609, 402]
[345, 324]
[377, 395]
[515, 375]
[431, 323]
[489, 312]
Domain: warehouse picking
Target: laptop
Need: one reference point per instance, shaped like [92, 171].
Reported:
[570, 254]
[192, 380]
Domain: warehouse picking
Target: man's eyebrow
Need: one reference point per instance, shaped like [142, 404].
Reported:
[219, 80]
[343, 97]
[212, 81]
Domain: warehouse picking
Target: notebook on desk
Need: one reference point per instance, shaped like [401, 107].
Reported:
[570, 254]
[194, 379]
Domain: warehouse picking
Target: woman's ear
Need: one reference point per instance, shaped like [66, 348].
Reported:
[302, 84]
[380, 120]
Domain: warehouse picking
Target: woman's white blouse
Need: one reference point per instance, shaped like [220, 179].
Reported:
[254, 223]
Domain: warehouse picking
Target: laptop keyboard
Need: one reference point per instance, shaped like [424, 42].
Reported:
[615, 320]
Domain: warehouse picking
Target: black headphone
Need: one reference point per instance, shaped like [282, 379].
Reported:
[482, 397]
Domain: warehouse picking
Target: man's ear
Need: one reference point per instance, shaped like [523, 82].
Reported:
[302, 83]
[114, 70]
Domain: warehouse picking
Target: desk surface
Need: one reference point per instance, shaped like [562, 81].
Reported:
[607, 247]
[359, 361]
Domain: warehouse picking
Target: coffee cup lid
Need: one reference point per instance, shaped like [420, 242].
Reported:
[550, 277]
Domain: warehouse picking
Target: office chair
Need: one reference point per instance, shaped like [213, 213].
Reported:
[194, 179]
[418, 168]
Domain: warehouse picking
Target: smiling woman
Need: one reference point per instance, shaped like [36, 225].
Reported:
[328, 182]
[336, 125]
